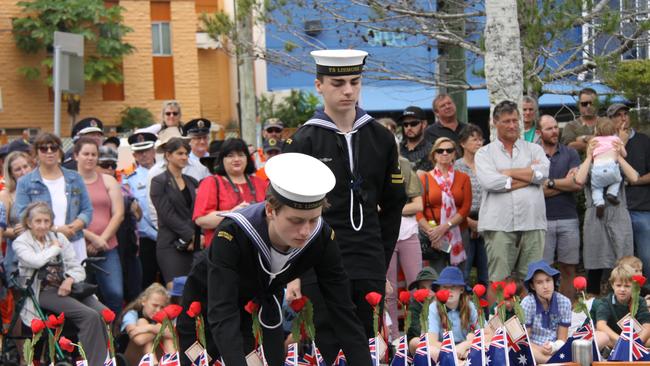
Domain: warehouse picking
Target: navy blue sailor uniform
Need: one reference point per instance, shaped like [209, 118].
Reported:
[367, 177]
[240, 268]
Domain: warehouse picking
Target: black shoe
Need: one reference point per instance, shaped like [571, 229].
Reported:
[600, 211]
[613, 199]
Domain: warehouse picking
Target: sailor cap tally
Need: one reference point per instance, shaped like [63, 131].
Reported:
[339, 62]
[298, 180]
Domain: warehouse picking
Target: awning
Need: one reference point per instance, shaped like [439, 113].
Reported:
[205, 42]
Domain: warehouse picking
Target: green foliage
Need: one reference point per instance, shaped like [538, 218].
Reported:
[135, 117]
[34, 32]
[297, 108]
[289, 46]
[632, 78]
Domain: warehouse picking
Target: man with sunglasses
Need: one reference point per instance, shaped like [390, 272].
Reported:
[91, 127]
[415, 146]
[577, 133]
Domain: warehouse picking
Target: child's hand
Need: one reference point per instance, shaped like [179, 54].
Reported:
[547, 348]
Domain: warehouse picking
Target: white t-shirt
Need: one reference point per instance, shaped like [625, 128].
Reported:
[278, 259]
[60, 207]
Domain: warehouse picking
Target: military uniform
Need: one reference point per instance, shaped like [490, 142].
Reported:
[86, 125]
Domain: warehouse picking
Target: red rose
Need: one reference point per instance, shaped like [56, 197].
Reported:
[479, 290]
[251, 307]
[52, 322]
[373, 298]
[37, 326]
[194, 310]
[173, 311]
[159, 316]
[483, 303]
[580, 283]
[61, 318]
[421, 294]
[404, 297]
[640, 279]
[108, 315]
[498, 284]
[298, 304]
[66, 344]
[510, 290]
[442, 296]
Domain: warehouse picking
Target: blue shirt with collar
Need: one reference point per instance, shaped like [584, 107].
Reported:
[542, 324]
[138, 183]
[562, 206]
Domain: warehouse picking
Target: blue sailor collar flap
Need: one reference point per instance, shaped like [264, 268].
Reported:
[321, 119]
[252, 220]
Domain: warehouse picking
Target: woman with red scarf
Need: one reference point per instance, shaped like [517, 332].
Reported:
[447, 200]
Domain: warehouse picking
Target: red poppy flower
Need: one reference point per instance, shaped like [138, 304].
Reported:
[580, 283]
[510, 290]
[159, 316]
[442, 296]
[251, 307]
[483, 303]
[173, 311]
[421, 294]
[498, 285]
[404, 297]
[640, 279]
[194, 310]
[66, 344]
[298, 304]
[108, 315]
[37, 326]
[373, 298]
[479, 290]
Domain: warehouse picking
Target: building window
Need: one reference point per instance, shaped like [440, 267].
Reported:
[161, 39]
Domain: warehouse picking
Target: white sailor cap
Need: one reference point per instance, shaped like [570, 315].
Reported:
[339, 62]
[298, 180]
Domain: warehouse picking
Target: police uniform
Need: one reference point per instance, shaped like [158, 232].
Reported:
[86, 125]
[197, 127]
[366, 166]
[244, 265]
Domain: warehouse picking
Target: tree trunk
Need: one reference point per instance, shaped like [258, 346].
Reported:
[503, 63]
[245, 59]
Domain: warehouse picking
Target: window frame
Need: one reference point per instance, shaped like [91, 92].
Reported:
[159, 25]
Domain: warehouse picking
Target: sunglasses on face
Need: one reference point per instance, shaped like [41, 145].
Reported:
[171, 113]
[108, 165]
[273, 130]
[47, 148]
[448, 151]
[586, 104]
[411, 124]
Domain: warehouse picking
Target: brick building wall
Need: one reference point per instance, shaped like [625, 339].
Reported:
[27, 103]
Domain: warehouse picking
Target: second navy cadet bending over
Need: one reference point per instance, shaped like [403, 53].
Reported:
[257, 250]
[367, 201]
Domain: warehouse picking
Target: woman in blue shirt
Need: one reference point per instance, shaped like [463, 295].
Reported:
[62, 189]
[461, 313]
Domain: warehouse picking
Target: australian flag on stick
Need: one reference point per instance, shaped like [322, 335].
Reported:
[497, 354]
[340, 359]
[564, 354]
[292, 355]
[519, 351]
[401, 357]
[146, 360]
[629, 346]
[476, 355]
[447, 355]
[170, 359]
[422, 357]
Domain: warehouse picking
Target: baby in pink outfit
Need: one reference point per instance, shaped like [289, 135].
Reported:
[605, 171]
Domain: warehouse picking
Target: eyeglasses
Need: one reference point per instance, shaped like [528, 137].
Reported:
[274, 130]
[47, 148]
[108, 165]
[171, 113]
[411, 124]
[448, 151]
[586, 104]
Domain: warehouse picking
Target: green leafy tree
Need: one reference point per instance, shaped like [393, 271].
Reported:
[135, 117]
[100, 26]
[632, 78]
[293, 110]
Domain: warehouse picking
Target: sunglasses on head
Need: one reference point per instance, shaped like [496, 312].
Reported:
[47, 148]
[586, 104]
[448, 151]
[274, 130]
[411, 124]
[108, 165]
[171, 113]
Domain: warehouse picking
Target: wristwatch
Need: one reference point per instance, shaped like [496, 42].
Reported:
[551, 183]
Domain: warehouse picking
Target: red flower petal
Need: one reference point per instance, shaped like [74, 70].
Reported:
[298, 304]
[421, 294]
[442, 296]
[580, 283]
[404, 297]
[251, 307]
[479, 290]
[66, 344]
[108, 315]
[373, 298]
[37, 325]
[173, 311]
[194, 310]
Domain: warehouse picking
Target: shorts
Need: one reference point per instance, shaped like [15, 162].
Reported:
[563, 239]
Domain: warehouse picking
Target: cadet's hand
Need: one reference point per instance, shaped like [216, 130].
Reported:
[293, 290]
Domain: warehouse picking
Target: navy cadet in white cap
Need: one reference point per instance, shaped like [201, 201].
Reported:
[367, 201]
[142, 144]
[257, 250]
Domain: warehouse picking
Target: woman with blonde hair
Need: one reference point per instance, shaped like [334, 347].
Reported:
[170, 117]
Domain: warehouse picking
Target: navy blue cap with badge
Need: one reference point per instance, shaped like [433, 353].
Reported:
[87, 125]
[142, 141]
[272, 145]
[197, 127]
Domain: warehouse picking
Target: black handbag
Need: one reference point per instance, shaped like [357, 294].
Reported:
[83, 289]
[428, 253]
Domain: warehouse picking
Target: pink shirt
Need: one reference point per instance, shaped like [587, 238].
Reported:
[102, 209]
[605, 144]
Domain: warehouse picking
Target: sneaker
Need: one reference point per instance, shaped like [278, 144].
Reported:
[613, 199]
[600, 211]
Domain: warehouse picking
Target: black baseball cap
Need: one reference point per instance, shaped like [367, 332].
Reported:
[412, 112]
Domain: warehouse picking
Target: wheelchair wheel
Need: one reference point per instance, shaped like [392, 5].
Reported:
[10, 355]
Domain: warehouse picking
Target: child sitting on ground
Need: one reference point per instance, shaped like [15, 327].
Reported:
[605, 171]
[637, 265]
[615, 306]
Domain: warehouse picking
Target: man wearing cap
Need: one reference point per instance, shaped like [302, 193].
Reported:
[198, 130]
[367, 201]
[415, 147]
[446, 125]
[91, 127]
[259, 249]
[577, 133]
[272, 147]
[141, 144]
[271, 129]
[637, 145]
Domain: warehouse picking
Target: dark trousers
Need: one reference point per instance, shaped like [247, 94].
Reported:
[326, 339]
[150, 270]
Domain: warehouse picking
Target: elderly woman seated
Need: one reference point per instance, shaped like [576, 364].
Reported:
[49, 257]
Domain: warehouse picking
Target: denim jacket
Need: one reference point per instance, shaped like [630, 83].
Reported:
[30, 188]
